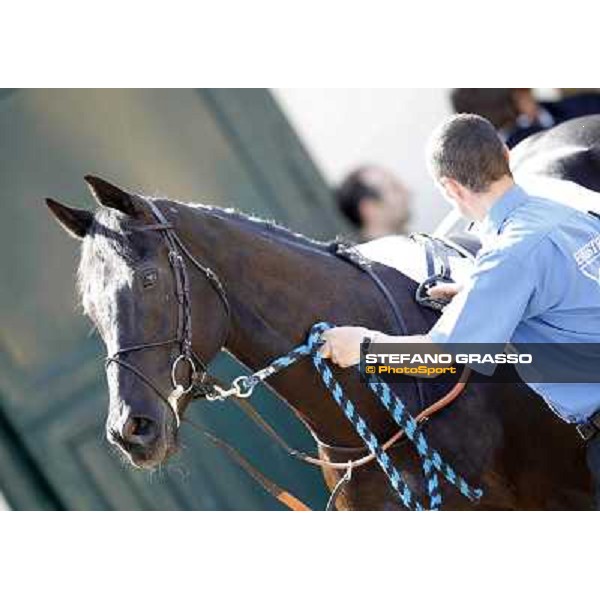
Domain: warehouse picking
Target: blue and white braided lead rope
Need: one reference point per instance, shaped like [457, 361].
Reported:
[431, 458]
[432, 461]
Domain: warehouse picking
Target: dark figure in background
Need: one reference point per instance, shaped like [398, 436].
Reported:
[375, 201]
[517, 114]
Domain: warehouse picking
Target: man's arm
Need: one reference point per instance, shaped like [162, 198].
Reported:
[493, 301]
[487, 310]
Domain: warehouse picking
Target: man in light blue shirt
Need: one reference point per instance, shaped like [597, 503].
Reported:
[536, 278]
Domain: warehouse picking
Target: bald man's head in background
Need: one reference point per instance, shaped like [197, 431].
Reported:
[375, 201]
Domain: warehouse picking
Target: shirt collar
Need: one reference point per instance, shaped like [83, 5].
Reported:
[514, 197]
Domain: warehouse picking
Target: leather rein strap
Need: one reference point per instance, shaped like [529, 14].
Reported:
[421, 418]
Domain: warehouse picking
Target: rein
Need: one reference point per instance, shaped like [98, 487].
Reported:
[242, 387]
[432, 462]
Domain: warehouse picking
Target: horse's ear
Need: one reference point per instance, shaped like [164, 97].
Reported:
[111, 196]
[75, 221]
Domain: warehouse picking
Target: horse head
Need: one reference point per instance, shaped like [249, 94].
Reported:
[134, 287]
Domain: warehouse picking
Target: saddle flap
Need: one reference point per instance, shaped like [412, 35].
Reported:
[409, 256]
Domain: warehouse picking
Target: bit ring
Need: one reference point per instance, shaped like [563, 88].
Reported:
[192, 368]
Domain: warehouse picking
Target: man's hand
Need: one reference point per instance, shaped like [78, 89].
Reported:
[445, 291]
[342, 345]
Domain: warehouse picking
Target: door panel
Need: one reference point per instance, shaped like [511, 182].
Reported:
[228, 147]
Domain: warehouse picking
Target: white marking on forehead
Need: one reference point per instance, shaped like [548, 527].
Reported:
[103, 275]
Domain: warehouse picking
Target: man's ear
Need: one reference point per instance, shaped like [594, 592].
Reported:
[75, 221]
[111, 196]
[452, 187]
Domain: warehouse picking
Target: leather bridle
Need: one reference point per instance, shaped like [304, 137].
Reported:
[183, 335]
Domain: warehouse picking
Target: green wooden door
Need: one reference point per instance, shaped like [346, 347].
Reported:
[227, 147]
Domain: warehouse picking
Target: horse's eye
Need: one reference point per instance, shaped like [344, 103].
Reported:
[149, 277]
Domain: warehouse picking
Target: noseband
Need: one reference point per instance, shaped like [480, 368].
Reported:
[183, 335]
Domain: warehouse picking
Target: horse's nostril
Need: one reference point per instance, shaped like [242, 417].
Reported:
[139, 430]
[141, 426]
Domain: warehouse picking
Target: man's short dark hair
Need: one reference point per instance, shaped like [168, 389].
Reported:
[497, 105]
[351, 192]
[468, 149]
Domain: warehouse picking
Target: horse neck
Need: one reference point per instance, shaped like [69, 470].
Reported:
[278, 285]
[272, 280]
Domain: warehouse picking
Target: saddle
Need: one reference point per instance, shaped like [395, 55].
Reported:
[426, 259]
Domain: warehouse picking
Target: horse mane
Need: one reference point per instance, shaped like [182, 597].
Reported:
[262, 225]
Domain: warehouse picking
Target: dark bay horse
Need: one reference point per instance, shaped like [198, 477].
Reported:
[500, 436]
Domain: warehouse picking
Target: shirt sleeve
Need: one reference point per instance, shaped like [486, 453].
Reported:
[491, 304]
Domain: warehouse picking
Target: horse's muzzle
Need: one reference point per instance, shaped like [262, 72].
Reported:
[146, 442]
